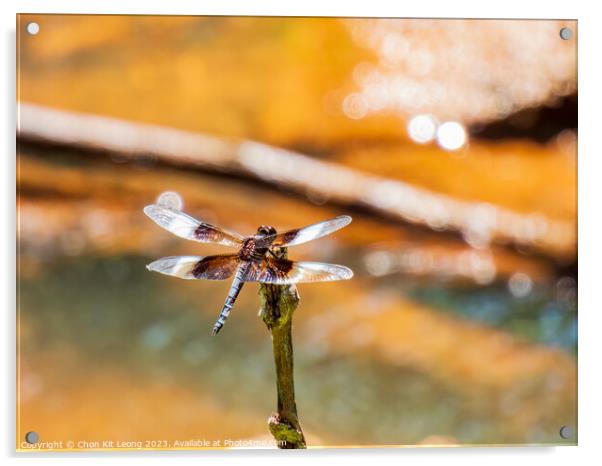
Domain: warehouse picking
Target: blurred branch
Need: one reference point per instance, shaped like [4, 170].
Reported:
[326, 181]
[278, 303]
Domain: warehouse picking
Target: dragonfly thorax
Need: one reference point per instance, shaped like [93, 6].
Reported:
[250, 249]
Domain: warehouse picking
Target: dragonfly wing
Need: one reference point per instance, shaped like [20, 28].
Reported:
[284, 272]
[194, 267]
[311, 232]
[185, 226]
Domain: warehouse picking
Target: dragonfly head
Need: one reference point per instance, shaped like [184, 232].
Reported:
[264, 230]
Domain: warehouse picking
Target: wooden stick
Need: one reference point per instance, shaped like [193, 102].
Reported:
[278, 303]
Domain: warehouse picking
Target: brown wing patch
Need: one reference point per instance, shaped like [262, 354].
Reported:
[217, 267]
[269, 270]
[284, 271]
[206, 233]
[286, 237]
[308, 233]
[185, 226]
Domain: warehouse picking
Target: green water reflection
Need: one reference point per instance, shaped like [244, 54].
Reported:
[116, 314]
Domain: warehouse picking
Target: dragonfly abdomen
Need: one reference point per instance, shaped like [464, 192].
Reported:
[230, 299]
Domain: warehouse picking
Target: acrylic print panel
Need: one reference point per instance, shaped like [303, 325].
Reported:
[450, 143]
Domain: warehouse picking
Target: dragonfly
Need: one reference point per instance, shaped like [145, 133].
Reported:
[255, 261]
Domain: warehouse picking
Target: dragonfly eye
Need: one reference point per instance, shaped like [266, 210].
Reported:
[266, 230]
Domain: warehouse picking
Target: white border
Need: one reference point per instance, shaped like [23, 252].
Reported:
[424, 8]
[590, 231]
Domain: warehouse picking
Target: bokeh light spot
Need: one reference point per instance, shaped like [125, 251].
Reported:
[520, 285]
[451, 135]
[355, 106]
[170, 199]
[422, 128]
